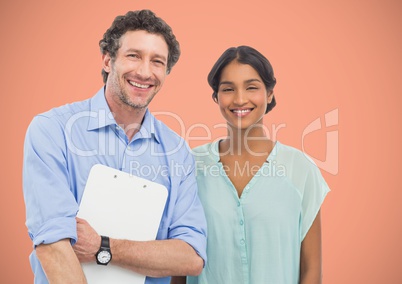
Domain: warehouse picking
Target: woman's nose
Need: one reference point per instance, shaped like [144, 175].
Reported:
[240, 98]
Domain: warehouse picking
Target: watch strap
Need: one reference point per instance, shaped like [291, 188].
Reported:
[105, 242]
[104, 248]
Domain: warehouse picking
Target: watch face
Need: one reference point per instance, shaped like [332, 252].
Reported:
[104, 256]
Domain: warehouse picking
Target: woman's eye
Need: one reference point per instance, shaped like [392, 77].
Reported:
[226, 90]
[252, 88]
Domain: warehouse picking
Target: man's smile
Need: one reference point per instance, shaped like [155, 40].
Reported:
[135, 84]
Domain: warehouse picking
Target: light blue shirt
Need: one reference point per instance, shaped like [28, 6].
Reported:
[63, 144]
[256, 239]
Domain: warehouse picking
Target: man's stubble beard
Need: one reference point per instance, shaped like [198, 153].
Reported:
[124, 97]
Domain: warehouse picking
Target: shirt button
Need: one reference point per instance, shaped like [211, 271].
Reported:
[241, 222]
[238, 203]
[242, 242]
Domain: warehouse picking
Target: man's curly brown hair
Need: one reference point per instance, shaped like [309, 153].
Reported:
[139, 20]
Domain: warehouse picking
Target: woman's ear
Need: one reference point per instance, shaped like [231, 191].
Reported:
[106, 59]
[215, 97]
[270, 95]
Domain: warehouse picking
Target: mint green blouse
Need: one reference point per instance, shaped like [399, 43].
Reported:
[256, 239]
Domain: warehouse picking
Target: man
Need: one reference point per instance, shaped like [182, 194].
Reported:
[116, 129]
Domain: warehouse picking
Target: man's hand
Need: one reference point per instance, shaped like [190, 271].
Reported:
[88, 241]
[159, 258]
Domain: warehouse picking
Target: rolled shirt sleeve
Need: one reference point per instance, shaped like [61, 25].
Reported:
[50, 204]
[188, 221]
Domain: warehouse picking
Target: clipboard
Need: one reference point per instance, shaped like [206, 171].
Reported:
[121, 206]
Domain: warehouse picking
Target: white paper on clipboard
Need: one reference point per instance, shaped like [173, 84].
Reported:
[122, 206]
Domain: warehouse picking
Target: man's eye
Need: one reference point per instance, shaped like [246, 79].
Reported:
[159, 62]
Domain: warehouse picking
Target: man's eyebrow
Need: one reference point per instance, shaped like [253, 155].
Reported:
[132, 50]
[139, 51]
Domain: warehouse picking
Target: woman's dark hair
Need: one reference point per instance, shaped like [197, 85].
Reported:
[145, 20]
[245, 55]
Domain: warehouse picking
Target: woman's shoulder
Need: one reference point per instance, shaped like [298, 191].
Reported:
[301, 169]
[293, 156]
[207, 152]
[202, 148]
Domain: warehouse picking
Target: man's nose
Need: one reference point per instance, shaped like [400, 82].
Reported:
[144, 69]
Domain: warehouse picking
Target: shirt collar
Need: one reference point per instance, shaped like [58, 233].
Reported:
[148, 127]
[214, 150]
[101, 116]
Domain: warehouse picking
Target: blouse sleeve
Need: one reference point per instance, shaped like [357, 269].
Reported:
[315, 190]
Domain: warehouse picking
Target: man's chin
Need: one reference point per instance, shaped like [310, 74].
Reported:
[137, 106]
[137, 103]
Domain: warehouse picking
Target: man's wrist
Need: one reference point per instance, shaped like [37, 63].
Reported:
[104, 254]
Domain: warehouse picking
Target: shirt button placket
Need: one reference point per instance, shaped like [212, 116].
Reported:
[242, 242]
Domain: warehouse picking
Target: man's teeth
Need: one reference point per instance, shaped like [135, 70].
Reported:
[138, 85]
[241, 110]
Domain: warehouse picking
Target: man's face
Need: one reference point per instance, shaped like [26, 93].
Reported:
[139, 69]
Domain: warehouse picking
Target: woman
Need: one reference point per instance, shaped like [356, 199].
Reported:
[261, 198]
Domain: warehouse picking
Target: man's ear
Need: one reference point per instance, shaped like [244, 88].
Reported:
[270, 96]
[106, 59]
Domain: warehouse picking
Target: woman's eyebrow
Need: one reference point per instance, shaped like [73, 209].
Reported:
[246, 81]
[252, 80]
[225, 83]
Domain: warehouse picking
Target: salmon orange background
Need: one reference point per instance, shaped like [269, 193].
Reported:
[340, 58]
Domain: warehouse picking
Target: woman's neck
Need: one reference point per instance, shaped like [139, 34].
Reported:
[244, 142]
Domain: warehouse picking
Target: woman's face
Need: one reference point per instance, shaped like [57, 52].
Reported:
[242, 95]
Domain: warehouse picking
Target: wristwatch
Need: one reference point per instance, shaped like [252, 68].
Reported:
[104, 255]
